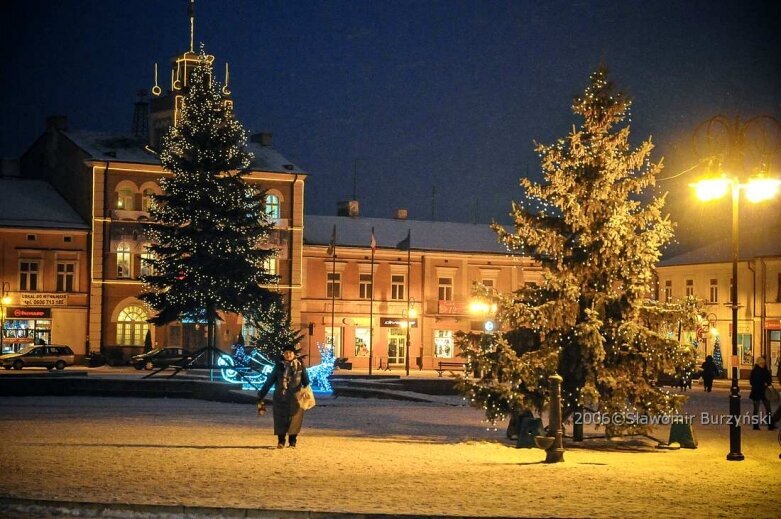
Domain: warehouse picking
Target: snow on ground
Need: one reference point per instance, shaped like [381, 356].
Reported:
[368, 456]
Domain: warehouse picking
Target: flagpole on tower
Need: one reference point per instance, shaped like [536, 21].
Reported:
[191, 14]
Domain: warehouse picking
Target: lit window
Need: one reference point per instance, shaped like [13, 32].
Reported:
[123, 260]
[28, 275]
[397, 287]
[334, 286]
[147, 201]
[272, 206]
[147, 268]
[443, 343]
[65, 276]
[689, 287]
[668, 291]
[132, 326]
[125, 200]
[333, 337]
[445, 289]
[270, 265]
[365, 286]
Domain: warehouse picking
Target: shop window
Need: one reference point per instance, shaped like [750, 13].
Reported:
[125, 199]
[689, 288]
[334, 286]
[28, 275]
[333, 337]
[365, 286]
[668, 291]
[147, 268]
[147, 200]
[362, 340]
[123, 260]
[745, 349]
[66, 272]
[443, 343]
[445, 289]
[714, 291]
[132, 326]
[397, 287]
[272, 206]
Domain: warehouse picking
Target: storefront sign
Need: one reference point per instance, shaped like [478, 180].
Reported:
[43, 299]
[773, 324]
[16, 312]
[397, 322]
[452, 307]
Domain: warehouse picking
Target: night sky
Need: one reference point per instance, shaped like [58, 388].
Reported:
[409, 95]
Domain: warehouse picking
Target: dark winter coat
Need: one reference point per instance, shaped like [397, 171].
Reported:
[709, 370]
[760, 378]
[287, 379]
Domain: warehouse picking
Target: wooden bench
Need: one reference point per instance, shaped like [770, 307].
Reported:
[450, 366]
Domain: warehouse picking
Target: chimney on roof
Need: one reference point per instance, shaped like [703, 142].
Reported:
[400, 214]
[262, 138]
[57, 122]
[348, 208]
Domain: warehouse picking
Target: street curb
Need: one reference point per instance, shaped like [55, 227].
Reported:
[38, 507]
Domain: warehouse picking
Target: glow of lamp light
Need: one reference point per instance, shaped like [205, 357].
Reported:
[711, 189]
[760, 189]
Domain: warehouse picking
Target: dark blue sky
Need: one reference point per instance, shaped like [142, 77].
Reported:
[415, 94]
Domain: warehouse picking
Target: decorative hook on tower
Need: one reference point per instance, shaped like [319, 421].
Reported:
[156, 90]
[225, 89]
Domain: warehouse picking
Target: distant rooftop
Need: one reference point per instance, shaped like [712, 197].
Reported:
[101, 146]
[35, 204]
[760, 240]
[424, 235]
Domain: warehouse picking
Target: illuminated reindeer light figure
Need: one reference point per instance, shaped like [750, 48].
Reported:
[251, 370]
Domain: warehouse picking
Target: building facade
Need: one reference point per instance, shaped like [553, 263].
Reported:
[344, 304]
[109, 180]
[44, 265]
[707, 274]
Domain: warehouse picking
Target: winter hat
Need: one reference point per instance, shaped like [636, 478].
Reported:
[289, 347]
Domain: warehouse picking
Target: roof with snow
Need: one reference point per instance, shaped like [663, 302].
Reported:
[424, 235]
[120, 148]
[35, 204]
[759, 240]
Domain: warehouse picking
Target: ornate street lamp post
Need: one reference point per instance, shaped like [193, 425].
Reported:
[408, 315]
[5, 300]
[727, 142]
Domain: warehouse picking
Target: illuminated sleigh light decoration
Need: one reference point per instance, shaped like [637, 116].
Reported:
[251, 370]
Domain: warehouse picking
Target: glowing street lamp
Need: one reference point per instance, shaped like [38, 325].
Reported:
[730, 138]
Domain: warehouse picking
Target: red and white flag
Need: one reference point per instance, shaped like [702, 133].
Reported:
[373, 243]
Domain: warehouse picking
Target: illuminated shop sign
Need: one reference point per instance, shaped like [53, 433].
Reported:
[15, 312]
[397, 322]
[43, 299]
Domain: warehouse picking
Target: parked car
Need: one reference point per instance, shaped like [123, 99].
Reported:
[51, 356]
[160, 358]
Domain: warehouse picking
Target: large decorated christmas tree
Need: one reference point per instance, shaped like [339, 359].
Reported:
[597, 233]
[209, 229]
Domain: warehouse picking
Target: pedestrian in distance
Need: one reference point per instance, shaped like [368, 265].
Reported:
[709, 370]
[288, 377]
[760, 380]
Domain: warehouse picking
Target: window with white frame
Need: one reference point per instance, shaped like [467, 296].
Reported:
[132, 326]
[333, 287]
[689, 288]
[271, 265]
[66, 272]
[28, 275]
[714, 291]
[397, 287]
[365, 286]
[147, 269]
[147, 202]
[124, 260]
[362, 339]
[445, 289]
[125, 199]
[668, 291]
[272, 206]
[443, 343]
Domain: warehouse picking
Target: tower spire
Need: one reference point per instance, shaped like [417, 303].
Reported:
[191, 14]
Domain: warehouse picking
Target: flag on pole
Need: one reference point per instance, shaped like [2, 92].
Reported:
[373, 243]
[405, 244]
[332, 244]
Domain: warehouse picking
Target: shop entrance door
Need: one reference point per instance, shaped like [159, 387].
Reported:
[397, 346]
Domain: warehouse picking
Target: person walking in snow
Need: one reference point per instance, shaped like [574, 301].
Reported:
[709, 370]
[760, 379]
[288, 377]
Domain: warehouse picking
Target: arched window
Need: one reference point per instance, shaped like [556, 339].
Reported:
[272, 206]
[132, 326]
[146, 267]
[123, 260]
[146, 199]
[125, 200]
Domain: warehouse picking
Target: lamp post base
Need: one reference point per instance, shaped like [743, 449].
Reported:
[736, 456]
